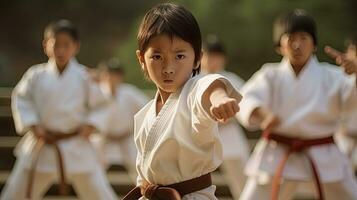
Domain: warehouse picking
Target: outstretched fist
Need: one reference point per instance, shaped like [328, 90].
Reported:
[223, 107]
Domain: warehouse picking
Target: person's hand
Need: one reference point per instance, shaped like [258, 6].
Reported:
[86, 130]
[349, 65]
[223, 107]
[270, 122]
[266, 119]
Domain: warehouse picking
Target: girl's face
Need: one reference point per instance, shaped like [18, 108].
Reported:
[62, 47]
[168, 61]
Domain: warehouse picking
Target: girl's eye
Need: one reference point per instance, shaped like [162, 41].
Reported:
[156, 57]
[180, 56]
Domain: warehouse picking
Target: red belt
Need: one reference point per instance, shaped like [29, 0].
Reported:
[171, 192]
[52, 139]
[296, 145]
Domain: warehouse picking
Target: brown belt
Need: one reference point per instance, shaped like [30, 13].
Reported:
[171, 192]
[52, 139]
[296, 145]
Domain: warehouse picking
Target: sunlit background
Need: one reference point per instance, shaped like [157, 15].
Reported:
[108, 28]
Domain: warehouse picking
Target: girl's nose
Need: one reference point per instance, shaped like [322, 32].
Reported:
[169, 69]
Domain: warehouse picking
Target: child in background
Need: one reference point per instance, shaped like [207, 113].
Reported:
[54, 105]
[115, 141]
[297, 103]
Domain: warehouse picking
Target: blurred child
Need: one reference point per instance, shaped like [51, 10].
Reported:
[297, 104]
[116, 143]
[53, 105]
[346, 137]
[235, 144]
[176, 133]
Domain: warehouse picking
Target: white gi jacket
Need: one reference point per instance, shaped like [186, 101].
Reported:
[308, 106]
[182, 141]
[117, 120]
[58, 102]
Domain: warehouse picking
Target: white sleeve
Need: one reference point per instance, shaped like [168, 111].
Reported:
[96, 104]
[201, 119]
[99, 116]
[138, 122]
[349, 93]
[236, 81]
[257, 93]
[139, 180]
[22, 103]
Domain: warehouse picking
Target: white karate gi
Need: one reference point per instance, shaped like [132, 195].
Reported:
[235, 147]
[182, 141]
[63, 103]
[118, 120]
[308, 107]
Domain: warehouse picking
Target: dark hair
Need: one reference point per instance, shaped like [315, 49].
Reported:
[213, 45]
[61, 26]
[295, 21]
[175, 21]
[113, 65]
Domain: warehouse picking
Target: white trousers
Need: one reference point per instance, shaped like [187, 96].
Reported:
[88, 186]
[233, 171]
[346, 189]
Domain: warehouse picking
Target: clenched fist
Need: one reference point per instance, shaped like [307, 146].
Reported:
[222, 107]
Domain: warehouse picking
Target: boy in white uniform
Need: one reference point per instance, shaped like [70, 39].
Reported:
[346, 137]
[176, 134]
[52, 105]
[115, 142]
[297, 103]
[235, 143]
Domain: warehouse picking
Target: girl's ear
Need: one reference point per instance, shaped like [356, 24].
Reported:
[141, 60]
[278, 50]
[78, 47]
[44, 45]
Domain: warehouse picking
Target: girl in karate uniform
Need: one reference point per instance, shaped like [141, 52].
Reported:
[176, 133]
